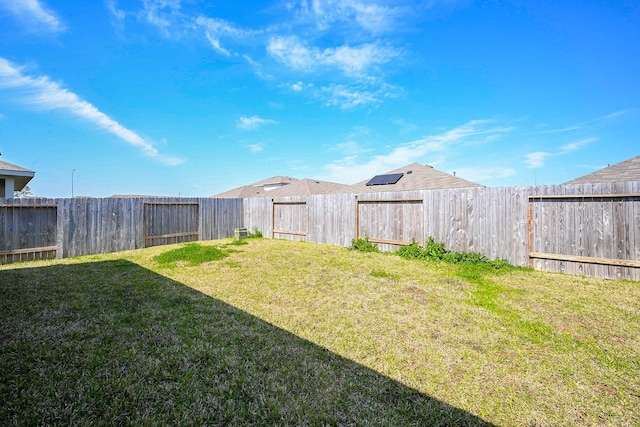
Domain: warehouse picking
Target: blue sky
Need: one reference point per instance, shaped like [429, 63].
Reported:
[191, 98]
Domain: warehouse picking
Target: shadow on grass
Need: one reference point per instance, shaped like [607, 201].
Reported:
[113, 343]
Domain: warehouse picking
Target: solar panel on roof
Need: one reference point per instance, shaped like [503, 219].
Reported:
[390, 178]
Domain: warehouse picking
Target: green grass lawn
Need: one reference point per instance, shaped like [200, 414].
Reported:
[290, 333]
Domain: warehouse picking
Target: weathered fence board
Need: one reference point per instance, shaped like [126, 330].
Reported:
[27, 230]
[167, 222]
[289, 219]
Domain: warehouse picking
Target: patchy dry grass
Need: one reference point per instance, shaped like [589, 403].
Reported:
[281, 332]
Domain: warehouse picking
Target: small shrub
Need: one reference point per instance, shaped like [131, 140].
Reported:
[434, 250]
[255, 234]
[412, 251]
[364, 245]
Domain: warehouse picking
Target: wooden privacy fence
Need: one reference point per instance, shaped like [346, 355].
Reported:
[167, 222]
[590, 229]
[390, 222]
[601, 231]
[289, 219]
[44, 228]
[27, 231]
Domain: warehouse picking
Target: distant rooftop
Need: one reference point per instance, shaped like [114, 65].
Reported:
[415, 176]
[305, 187]
[21, 176]
[627, 170]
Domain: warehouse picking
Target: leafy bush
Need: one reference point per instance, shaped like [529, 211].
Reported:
[256, 234]
[436, 251]
[364, 245]
[412, 251]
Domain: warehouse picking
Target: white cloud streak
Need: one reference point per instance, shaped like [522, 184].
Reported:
[353, 61]
[538, 158]
[368, 15]
[348, 169]
[42, 93]
[217, 29]
[250, 123]
[35, 16]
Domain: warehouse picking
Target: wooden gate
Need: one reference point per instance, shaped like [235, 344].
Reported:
[586, 234]
[168, 222]
[27, 231]
[289, 220]
[390, 222]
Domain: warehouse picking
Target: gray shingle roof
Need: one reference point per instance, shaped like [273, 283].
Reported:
[21, 176]
[305, 187]
[243, 192]
[417, 177]
[627, 170]
[274, 180]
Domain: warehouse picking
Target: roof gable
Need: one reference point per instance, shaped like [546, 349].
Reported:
[417, 177]
[627, 170]
[305, 187]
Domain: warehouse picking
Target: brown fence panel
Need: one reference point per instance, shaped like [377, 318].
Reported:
[390, 223]
[27, 229]
[290, 220]
[595, 234]
[170, 222]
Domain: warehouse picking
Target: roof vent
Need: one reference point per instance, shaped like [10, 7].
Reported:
[409, 172]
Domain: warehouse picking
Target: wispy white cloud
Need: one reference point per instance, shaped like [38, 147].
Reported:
[537, 159]
[250, 123]
[586, 124]
[163, 14]
[368, 15]
[117, 14]
[573, 146]
[359, 81]
[349, 169]
[297, 87]
[350, 96]
[216, 29]
[34, 15]
[354, 61]
[256, 148]
[564, 129]
[350, 148]
[405, 127]
[41, 93]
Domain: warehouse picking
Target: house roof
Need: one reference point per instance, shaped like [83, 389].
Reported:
[274, 180]
[627, 170]
[243, 192]
[21, 176]
[305, 187]
[257, 189]
[417, 177]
